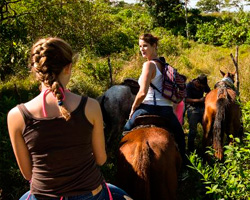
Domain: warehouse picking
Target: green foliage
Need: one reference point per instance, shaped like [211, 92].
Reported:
[209, 5]
[11, 93]
[116, 41]
[13, 50]
[89, 74]
[100, 29]
[246, 116]
[169, 44]
[135, 19]
[230, 178]
[207, 33]
[167, 13]
[239, 4]
[84, 24]
[226, 31]
[217, 5]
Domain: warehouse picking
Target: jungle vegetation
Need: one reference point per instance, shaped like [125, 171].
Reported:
[192, 40]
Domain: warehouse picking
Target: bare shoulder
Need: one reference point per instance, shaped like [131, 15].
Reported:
[93, 103]
[14, 112]
[15, 119]
[148, 65]
[92, 110]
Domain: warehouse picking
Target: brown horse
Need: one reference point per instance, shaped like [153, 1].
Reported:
[222, 114]
[148, 163]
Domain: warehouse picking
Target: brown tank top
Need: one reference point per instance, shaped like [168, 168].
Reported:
[61, 153]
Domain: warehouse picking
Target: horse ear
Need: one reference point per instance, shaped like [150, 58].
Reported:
[233, 73]
[223, 73]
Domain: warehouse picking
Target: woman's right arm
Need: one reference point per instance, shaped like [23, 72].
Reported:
[94, 115]
[148, 73]
[15, 126]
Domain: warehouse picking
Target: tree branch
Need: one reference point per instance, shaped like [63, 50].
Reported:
[235, 61]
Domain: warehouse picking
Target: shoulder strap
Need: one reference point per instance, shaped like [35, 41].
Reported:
[154, 87]
[25, 113]
[83, 101]
[161, 60]
[82, 104]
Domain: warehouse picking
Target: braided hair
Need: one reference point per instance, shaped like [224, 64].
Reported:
[48, 58]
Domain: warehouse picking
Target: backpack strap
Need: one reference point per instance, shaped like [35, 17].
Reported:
[161, 60]
[154, 87]
[151, 84]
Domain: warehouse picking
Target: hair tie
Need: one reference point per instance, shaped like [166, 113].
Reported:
[60, 103]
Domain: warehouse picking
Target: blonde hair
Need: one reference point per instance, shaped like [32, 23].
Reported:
[48, 58]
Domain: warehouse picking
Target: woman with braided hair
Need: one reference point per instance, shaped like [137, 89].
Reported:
[57, 137]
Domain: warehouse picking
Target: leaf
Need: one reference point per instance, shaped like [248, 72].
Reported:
[237, 140]
[215, 187]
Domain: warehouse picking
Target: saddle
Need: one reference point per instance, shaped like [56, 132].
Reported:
[151, 120]
[132, 83]
[223, 87]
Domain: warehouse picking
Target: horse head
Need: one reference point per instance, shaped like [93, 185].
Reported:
[228, 75]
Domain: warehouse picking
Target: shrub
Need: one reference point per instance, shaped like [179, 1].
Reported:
[229, 179]
[15, 91]
[170, 44]
[207, 33]
[113, 42]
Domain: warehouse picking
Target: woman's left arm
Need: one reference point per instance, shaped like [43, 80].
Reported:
[148, 73]
[15, 126]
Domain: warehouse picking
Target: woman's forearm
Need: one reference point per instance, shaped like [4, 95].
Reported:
[139, 99]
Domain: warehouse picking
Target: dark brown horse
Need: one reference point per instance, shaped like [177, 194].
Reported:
[222, 114]
[148, 164]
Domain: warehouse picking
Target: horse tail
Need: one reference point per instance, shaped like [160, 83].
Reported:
[218, 128]
[142, 165]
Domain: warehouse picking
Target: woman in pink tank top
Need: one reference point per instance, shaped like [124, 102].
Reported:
[57, 137]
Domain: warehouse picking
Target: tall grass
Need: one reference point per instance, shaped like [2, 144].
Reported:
[197, 59]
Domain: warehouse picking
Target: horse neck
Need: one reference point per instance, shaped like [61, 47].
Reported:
[228, 80]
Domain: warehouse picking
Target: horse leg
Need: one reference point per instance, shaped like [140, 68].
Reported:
[207, 124]
[234, 124]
